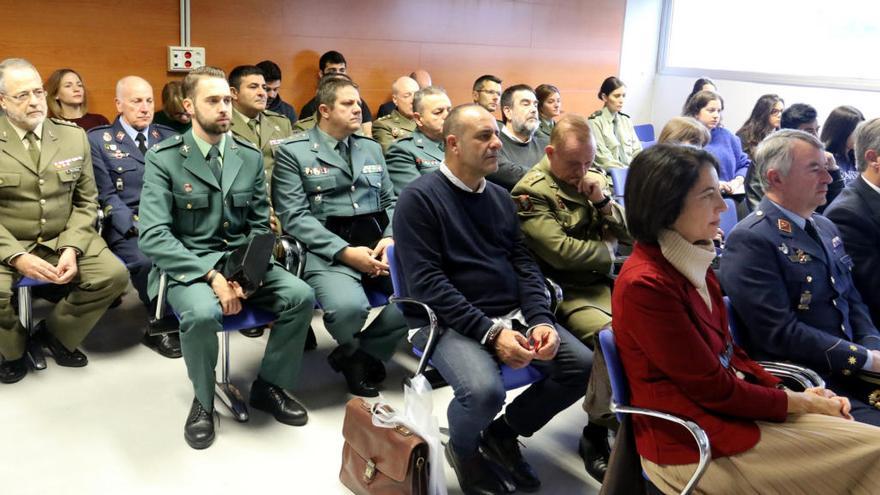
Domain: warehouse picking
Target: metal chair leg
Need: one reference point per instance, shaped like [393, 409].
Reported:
[226, 391]
[33, 349]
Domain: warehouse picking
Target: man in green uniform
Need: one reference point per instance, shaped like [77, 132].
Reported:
[48, 206]
[204, 196]
[423, 151]
[332, 192]
[400, 122]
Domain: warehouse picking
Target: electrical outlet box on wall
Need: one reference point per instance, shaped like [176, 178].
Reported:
[185, 58]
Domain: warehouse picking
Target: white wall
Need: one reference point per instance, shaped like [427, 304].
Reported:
[638, 55]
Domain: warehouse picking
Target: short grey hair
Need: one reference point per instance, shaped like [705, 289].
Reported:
[867, 138]
[13, 63]
[774, 152]
[422, 93]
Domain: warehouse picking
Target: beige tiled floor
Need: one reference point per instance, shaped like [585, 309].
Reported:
[116, 426]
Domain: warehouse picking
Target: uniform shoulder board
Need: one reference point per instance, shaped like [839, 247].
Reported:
[162, 127]
[64, 122]
[270, 113]
[384, 117]
[754, 218]
[533, 177]
[360, 136]
[171, 142]
[408, 137]
[93, 129]
[595, 114]
[625, 115]
[298, 136]
[244, 142]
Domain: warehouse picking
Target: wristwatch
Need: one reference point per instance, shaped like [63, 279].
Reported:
[603, 203]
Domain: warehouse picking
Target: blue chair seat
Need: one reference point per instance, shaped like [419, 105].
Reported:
[512, 378]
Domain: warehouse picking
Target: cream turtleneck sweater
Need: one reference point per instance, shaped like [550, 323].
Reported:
[691, 260]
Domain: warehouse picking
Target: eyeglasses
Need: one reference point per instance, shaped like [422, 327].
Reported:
[24, 96]
[490, 92]
[775, 111]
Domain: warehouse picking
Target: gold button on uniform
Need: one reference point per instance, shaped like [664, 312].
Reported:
[42, 201]
[41, 182]
[353, 188]
[189, 206]
[1, 181]
[225, 225]
[39, 239]
[355, 205]
[42, 220]
[318, 188]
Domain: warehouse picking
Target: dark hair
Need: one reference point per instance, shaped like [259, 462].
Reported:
[327, 90]
[192, 78]
[609, 85]
[478, 84]
[797, 115]
[172, 97]
[657, 184]
[331, 57]
[270, 69]
[838, 127]
[242, 71]
[757, 126]
[507, 97]
[698, 101]
[545, 91]
[698, 86]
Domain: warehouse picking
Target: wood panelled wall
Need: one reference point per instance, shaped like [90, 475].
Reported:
[573, 44]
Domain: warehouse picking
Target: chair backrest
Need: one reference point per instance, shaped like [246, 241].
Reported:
[648, 144]
[645, 132]
[619, 387]
[618, 177]
[729, 218]
[731, 321]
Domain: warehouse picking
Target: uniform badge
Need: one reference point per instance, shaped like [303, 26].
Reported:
[783, 249]
[804, 303]
[784, 225]
[155, 134]
[318, 198]
[325, 170]
[307, 171]
[395, 132]
[107, 136]
[524, 203]
[187, 188]
[835, 242]
[418, 161]
[111, 147]
[185, 148]
[120, 136]
[560, 203]
[277, 129]
[119, 184]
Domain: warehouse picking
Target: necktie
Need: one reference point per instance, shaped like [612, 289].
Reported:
[811, 231]
[343, 152]
[33, 148]
[214, 162]
[621, 154]
[254, 124]
[142, 142]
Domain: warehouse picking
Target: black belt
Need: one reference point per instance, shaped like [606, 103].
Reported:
[359, 230]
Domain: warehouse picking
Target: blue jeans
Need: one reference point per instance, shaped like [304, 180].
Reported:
[473, 373]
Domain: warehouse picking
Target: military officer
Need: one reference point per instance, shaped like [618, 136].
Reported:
[205, 195]
[422, 152]
[616, 140]
[788, 276]
[400, 122]
[118, 158]
[48, 206]
[332, 192]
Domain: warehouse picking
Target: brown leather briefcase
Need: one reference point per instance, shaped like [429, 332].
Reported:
[381, 461]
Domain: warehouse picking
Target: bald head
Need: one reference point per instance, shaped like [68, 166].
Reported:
[134, 101]
[472, 143]
[402, 92]
[422, 77]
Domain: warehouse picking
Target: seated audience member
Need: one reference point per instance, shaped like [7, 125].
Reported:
[765, 118]
[670, 326]
[856, 213]
[307, 123]
[616, 140]
[66, 98]
[272, 74]
[173, 114]
[838, 134]
[573, 228]
[421, 152]
[331, 191]
[333, 62]
[549, 108]
[118, 158]
[47, 220]
[522, 148]
[685, 130]
[701, 84]
[421, 76]
[802, 117]
[788, 276]
[400, 122]
[461, 250]
[487, 92]
[188, 230]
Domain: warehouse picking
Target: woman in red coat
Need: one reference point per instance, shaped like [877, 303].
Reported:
[671, 330]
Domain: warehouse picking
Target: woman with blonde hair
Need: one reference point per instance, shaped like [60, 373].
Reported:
[685, 130]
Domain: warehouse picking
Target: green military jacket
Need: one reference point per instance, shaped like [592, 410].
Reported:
[614, 150]
[564, 230]
[188, 219]
[306, 124]
[412, 156]
[546, 127]
[391, 128]
[53, 204]
[312, 182]
[274, 128]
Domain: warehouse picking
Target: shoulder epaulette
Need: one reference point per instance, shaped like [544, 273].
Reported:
[533, 177]
[625, 115]
[64, 122]
[595, 114]
[158, 126]
[270, 113]
[384, 117]
[359, 136]
[298, 136]
[171, 142]
[244, 142]
[93, 129]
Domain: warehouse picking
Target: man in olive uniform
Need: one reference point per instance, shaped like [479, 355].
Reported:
[400, 122]
[332, 192]
[204, 196]
[118, 157]
[423, 151]
[48, 206]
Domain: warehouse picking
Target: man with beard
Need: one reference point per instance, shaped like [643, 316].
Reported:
[522, 148]
[118, 157]
[205, 196]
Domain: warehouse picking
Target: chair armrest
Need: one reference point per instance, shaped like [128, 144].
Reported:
[554, 293]
[99, 222]
[699, 435]
[294, 255]
[159, 323]
[434, 330]
[804, 377]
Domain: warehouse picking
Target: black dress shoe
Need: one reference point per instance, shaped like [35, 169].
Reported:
[252, 332]
[63, 356]
[504, 451]
[375, 368]
[475, 475]
[166, 344]
[13, 371]
[272, 399]
[593, 449]
[354, 369]
[199, 429]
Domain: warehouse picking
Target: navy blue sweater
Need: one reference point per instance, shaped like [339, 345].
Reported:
[463, 255]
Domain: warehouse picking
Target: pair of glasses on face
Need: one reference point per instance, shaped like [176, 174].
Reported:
[24, 96]
[490, 92]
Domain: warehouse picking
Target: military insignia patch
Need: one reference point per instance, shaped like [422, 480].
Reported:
[418, 161]
[560, 202]
[836, 241]
[155, 134]
[107, 137]
[784, 225]
[120, 136]
[783, 249]
[524, 202]
[372, 169]
[395, 132]
[187, 188]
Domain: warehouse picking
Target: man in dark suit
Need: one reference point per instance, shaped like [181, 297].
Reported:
[856, 212]
[789, 280]
[118, 159]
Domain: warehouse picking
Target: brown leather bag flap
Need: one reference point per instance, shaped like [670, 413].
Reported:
[389, 448]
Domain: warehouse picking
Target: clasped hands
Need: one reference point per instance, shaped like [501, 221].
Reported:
[372, 262]
[517, 351]
[229, 293]
[37, 268]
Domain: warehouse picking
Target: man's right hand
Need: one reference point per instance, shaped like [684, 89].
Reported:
[362, 259]
[229, 298]
[875, 362]
[512, 348]
[36, 268]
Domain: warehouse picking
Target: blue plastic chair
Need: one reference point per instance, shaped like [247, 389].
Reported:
[618, 179]
[512, 378]
[728, 218]
[645, 132]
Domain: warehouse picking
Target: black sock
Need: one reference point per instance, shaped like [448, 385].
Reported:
[500, 428]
